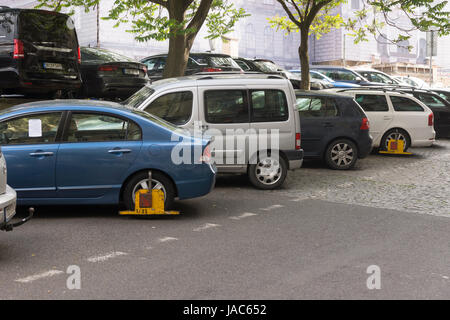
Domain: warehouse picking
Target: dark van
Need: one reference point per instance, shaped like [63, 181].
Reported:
[39, 52]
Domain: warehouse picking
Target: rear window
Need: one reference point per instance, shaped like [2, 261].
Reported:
[139, 97]
[218, 61]
[338, 75]
[6, 27]
[102, 56]
[372, 102]
[266, 66]
[47, 29]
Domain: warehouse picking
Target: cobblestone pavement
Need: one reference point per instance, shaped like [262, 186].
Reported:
[418, 183]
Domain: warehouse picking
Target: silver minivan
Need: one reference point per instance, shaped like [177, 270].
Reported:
[252, 118]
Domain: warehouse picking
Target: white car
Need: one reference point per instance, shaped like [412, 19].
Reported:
[7, 197]
[395, 115]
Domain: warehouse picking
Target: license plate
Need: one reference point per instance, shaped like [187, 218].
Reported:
[55, 66]
[133, 72]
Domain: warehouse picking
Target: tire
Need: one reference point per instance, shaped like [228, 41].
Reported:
[395, 133]
[269, 173]
[341, 154]
[140, 180]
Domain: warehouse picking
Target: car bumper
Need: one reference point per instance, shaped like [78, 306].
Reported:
[199, 187]
[7, 207]
[295, 158]
[365, 147]
[122, 88]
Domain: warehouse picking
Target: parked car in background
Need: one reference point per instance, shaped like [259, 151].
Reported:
[439, 106]
[39, 53]
[7, 197]
[395, 115]
[334, 128]
[227, 107]
[107, 74]
[413, 81]
[197, 63]
[329, 83]
[443, 93]
[69, 152]
[379, 77]
[269, 67]
[342, 74]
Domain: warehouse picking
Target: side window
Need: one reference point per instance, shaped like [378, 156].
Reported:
[243, 65]
[269, 106]
[151, 63]
[405, 104]
[317, 107]
[161, 64]
[175, 107]
[33, 129]
[372, 102]
[226, 106]
[86, 127]
[430, 100]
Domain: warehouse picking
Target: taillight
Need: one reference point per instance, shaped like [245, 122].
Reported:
[145, 69]
[79, 55]
[107, 68]
[365, 124]
[430, 119]
[19, 52]
[211, 70]
[206, 157]
[297, 141]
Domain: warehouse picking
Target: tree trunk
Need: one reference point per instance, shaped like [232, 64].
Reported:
[177, 58]
[304, 58]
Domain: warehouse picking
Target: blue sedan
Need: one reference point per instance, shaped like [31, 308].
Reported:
[90, 152]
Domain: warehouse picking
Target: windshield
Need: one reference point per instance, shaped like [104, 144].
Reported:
[155, 119]
[103, 56]
[47, 29]
[139, 97]
[267, 66]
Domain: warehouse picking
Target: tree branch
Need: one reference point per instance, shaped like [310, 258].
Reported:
[163, 3]
[199, 18]
[289, 13]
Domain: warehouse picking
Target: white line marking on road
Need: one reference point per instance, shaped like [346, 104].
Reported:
[167, 239]
[275, 206]
[244, 215]
[207, 226]
[107, 256]
[35, 277]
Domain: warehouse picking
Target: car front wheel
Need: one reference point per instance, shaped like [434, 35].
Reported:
[268, 173]
[141, 181]
[341, 154]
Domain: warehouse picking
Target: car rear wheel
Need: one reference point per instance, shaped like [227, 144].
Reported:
[268, 173]
[141, 181]
[395, 134]
[341, 154]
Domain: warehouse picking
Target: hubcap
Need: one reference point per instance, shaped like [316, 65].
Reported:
[396, 136]
[143, 184]
[268, 171]
[342, 154]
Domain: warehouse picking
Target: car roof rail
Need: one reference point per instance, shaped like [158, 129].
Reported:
[374, 88]
[4, 7]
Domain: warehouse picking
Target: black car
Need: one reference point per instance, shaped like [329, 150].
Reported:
[334, 128]
[197, 63]
[439, 106]
[443, 93]
[110, 75]
[39, 52]
[270, 67]
[342, 74]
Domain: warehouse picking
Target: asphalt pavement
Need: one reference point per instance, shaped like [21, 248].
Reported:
[236, 243]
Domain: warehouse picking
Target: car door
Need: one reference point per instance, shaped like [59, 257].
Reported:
[380, 114]
[224, 114]
[30, 146]
[318, 119]
[96, 152]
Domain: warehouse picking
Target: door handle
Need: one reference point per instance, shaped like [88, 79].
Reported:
[387, 118]
[119, 151]
[41, 154]
[327, 124]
